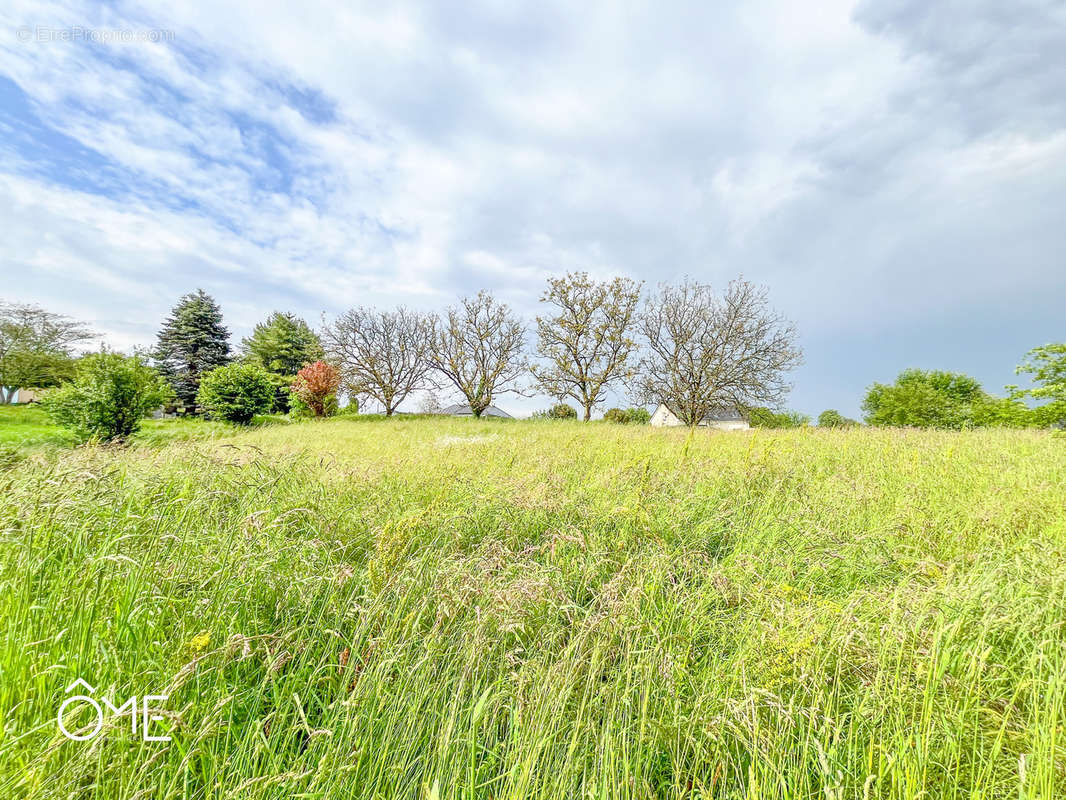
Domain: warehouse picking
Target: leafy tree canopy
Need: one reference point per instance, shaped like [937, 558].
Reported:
[762, 417]
[938, 399]
[1047, 366]
[831, 418]
[36, 347]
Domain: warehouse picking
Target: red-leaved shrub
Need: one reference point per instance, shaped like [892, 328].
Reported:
[316, 387]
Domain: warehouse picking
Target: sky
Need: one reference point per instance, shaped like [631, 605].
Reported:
[893, 171]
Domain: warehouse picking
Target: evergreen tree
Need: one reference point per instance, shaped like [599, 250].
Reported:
[283, 344]
[193, 341]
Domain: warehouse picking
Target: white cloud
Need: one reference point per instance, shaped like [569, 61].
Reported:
[311, 157]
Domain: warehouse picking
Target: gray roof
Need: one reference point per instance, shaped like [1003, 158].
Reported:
[463, 410]
[724, 415]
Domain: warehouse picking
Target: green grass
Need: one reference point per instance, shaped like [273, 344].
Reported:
[27, 426]
[27, 429]
[445, 608]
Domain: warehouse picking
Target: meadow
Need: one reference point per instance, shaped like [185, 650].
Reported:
[442, 608]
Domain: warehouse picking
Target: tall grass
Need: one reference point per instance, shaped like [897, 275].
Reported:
[460, 609]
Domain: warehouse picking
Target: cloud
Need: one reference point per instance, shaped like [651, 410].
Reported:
[888, 168]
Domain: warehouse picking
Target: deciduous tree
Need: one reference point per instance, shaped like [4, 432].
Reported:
[383, 355]
[586, 342]
[831, 418]
[477, 347]
[707, 351]
[315, 385]
[924, 399]
[1047, 366]
[36, 347]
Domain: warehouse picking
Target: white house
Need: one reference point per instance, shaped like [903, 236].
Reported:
[725, 419]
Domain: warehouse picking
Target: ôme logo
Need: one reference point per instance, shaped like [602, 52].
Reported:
[141, 711]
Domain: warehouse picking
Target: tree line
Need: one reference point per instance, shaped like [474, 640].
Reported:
[692, 348]
[687, 346]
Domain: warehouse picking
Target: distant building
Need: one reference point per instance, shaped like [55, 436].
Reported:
[462, 410]
[22, 395]
[726, 419]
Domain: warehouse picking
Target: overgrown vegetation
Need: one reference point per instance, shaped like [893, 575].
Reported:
[768, 418]
[314, 390]
[108, 397]
[448, 608]
[628, 416]
[937, 399]
[236, 393]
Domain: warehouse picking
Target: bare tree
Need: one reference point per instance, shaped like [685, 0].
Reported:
[430, 404]
[382, 355]
[477, 347]
[706, 351]
[586, 344]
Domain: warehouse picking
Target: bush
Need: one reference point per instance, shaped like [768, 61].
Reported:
[628, 416]
[1004, 412]
[282, 391]
[768, 418]
[831, 418]
[108, 398]
[925, 399]
[331, 406]
[315, 388]
[562, 411]
[236, 392]
[637, 416]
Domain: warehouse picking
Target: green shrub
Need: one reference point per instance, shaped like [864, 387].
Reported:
[562, 411]
[637, 416]
[924, 399]
[1004, 412]
[768, 418]
[236, 392]
[298, 409]
[282, 392]
[108, 398]
[831, 418]
[615, 415]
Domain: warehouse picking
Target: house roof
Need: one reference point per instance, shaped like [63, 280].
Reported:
[463, 410]
[724, 415]
[731, 414]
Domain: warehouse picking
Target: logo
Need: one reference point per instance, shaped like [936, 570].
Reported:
[141, 711]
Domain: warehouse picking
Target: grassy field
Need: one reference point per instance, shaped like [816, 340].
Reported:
[26, 429]
[447, 608]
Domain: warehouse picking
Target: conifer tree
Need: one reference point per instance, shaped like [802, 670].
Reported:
[193, 341]
[283, 344]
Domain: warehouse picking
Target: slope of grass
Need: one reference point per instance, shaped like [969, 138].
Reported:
[444, 608]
